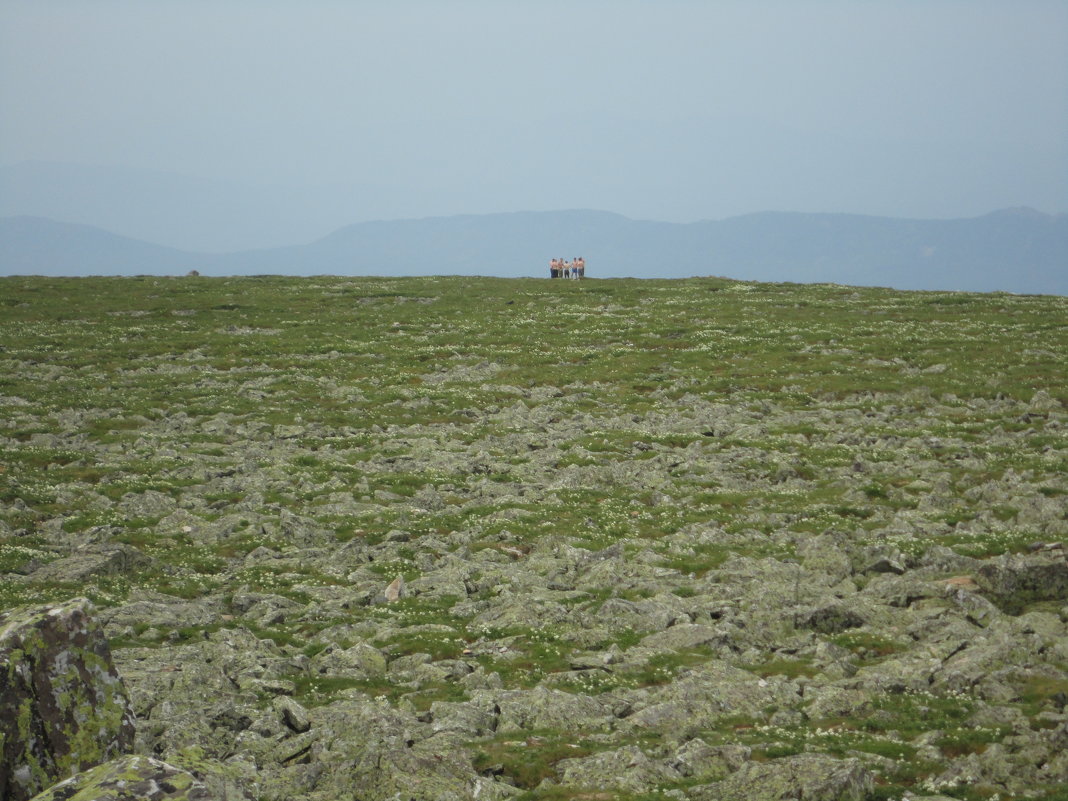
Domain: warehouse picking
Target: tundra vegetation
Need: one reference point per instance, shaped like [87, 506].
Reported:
[449, 538]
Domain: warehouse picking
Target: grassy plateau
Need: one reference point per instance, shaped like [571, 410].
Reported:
[624, 539]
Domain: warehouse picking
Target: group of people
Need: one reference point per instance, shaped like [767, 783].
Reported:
[576, 268]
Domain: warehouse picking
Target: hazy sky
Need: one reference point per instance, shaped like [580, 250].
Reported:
[665, 110]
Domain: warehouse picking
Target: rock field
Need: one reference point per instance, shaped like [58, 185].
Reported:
[442, 539]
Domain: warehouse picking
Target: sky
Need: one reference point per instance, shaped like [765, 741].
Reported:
[670, 110]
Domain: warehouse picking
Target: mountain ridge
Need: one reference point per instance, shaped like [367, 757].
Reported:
[1017, 249]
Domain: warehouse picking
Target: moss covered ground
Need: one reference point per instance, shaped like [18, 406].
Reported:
[234, 430]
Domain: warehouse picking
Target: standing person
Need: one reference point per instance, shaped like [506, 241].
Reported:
[567, 269]
[581, 267]
[554, 268]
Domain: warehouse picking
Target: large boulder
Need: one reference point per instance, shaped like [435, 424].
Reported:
[362, 661]
[364, 748]
[625, 769]
[542, 708]
[1012, 581]
[105, 559]
[204, 692]
[703, 696]
[813, 777]
[130, 778]
[831, 618]
[65, 707]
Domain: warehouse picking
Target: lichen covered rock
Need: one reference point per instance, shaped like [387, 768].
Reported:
[814, 777]
[130, 778]
[65, 707]
[94, 560]
[626, 769]
[1014, 580]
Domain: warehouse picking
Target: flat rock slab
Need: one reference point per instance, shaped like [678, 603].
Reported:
[130, 778]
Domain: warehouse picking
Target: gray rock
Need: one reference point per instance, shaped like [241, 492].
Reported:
[93, 560]
[998, 653]
[205, 693]
[366, 749]
[825, 554]
[699, 760]
[472, 718]
[976, 608]
[293, 714]
[684, 635]
[625, 769]
[150, 505]
[813, 777]
[831, 619]
[830, 702]
[360, 661]
[542, 708]
[532, 611]
[162, 612]
[880, 559]
[130, 778]
[704, 695]
[267, 610]
[1013, 581]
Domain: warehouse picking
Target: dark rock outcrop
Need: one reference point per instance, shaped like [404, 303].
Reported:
[65, 707]
[1013, 581]
[831, 619]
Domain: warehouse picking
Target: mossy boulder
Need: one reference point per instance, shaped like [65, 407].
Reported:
[813, 777]
[65, 707]
[364, 748]
[542, 708]
[625, 769]
[831, 618]
[361, 661]
[701, 697]
[1013, 581]
[94, 560]
[130, 778]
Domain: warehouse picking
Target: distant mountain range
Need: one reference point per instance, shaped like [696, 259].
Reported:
[182, 211]
[1014, 250]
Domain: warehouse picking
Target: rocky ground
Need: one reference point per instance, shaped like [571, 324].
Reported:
[450, 539]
